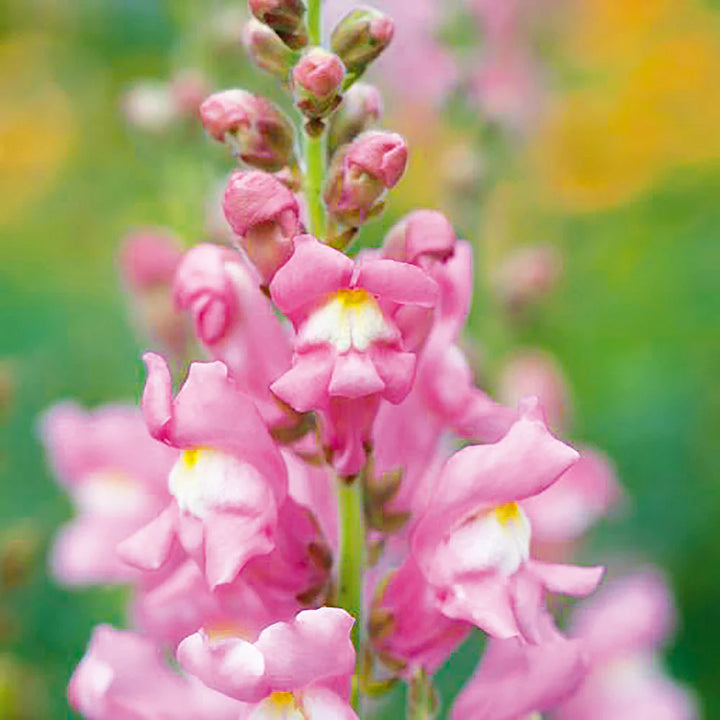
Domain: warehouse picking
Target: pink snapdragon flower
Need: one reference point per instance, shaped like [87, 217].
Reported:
[623, 627]
[115, 474]
[473, 542]
[297, 668]
[265, 216]
[228, 483]
[515, 679]
[348, 352]
[123, 676]
[235, 322]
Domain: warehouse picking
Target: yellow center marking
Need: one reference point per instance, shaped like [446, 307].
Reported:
[507, 513]
[353, 297]
[190, 458]
[282, 700]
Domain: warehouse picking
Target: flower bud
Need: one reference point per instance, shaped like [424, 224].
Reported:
[361, 172]
[360, 37]
[527, 275]
[265, 215]
[316, 82]
[266, 49]
[421, 235]
[285, 17]
[361, 108]
[258, 133]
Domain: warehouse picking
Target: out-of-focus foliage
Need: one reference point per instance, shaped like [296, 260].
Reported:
[621, 174]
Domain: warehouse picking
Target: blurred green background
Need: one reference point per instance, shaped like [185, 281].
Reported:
[622, 174]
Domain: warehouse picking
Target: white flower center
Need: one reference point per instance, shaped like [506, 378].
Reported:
[110, 493]
[351, 318]
[498, 539]
[279, 706]
[205, 479]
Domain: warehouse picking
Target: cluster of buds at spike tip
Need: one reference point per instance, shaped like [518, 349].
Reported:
[256, 131]
[316, 82]
[267, 50]
[360, 37]
[360, 109]
[285, 17]
[361, 172]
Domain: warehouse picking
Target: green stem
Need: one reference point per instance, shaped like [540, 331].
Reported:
[314, 176]
[314, 146]
[352, 562]
[420, 699]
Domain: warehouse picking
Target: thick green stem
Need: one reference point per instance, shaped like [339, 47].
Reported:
[314, 176]
[314, 142]
[352, 561]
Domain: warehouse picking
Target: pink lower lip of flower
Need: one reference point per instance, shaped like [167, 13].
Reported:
[313, 649]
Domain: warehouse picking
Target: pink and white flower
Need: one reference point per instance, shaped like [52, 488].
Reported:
[473, 542]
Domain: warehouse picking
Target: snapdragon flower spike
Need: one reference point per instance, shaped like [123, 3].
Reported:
[264, 214]
[361, 108]
[360, 37]
[623, 628]
[515, 680]
[300, 668]
[266, 49]
[348, 351]
[235, 322]
[473, 542]
[228, 483]
[116, 476]
[361, 172]
[316, 81]
[285, 17]
[123, 676]
[256, 131]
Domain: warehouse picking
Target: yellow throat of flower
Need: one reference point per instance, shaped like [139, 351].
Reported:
[507, 513]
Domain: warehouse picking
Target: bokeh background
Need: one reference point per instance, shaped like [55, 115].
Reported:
[616, 165]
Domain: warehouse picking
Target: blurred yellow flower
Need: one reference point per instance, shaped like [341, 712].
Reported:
[36, 124]
[653, 102]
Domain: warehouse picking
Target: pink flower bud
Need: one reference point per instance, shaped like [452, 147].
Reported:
[526, 275]
[188, 88]
[264, 213]
[149, 258]
[361, 172]
[361, 36]
[316, 82]
[258, 132]
[285, 17]
[361, 108]
[420, 234]
[266, 49]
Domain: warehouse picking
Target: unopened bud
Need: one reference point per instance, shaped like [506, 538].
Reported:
[360, 37]
[316, 82]
[422, 235]
[257, 132]
[360, 109]
[527, 275]
[361, 172]
[266, 49]
[265, 215]
[285, 17]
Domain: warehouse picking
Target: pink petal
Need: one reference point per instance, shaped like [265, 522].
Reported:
[396, 369]
[354, 376]
[397, 282]
[566, 579]
[305, 386]
[312, 271]
[149, 548]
